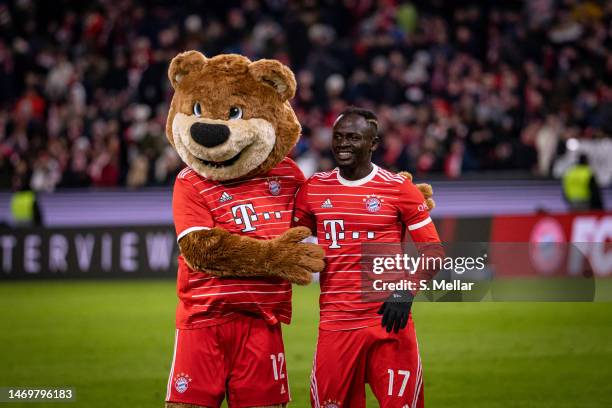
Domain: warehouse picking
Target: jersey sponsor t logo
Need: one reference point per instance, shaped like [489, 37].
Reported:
[243, 215]
[335, 232]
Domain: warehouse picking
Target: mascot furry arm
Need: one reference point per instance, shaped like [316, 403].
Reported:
[222, 254]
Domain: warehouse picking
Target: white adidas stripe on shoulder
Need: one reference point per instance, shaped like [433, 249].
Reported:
[392, 175]
[387, 175]
[186, 172]
[318, 176]
[324, 174]
[383, 176]
[182, 173]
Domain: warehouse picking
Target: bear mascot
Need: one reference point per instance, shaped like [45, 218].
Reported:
[230, 121]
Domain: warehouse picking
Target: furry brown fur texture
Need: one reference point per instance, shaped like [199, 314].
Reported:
[220, 253]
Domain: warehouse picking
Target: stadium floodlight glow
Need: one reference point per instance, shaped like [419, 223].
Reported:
[572, 144]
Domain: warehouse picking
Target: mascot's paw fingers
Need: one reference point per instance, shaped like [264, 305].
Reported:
[298, 275]
[431, 204]
[406, 174]
[312, 264]
[295, 234]
[311, 257]
[425, 189]
[312, 250]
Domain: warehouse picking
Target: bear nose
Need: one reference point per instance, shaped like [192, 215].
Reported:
[209, 135]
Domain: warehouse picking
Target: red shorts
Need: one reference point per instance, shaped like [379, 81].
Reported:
[243, 359]
[345, 360]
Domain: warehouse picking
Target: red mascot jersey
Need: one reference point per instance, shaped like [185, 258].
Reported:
[260, 208]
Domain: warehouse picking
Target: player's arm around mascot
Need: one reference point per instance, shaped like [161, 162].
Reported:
[231, 123]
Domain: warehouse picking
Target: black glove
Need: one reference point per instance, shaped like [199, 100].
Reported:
[395, 310]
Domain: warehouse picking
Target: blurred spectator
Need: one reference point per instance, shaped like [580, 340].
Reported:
[25, 210]
[546, 142]
[580, 187]
[24, 207]
[458, 86]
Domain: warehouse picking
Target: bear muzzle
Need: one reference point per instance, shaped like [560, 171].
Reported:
[209, 135]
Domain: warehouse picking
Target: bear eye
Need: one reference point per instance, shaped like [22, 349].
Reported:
[197, 109]
[235, 113]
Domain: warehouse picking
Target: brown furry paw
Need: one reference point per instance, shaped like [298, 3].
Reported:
[293, 260]
[427, 193]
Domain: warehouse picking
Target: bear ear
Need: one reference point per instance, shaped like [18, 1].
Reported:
[183, 64]
[276, 75]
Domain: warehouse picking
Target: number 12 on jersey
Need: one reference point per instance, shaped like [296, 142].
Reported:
[278, 362]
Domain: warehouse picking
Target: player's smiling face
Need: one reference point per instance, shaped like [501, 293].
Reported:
[353, 141]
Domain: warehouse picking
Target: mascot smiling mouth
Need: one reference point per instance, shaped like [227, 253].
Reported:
[225, 163]
[222, 149]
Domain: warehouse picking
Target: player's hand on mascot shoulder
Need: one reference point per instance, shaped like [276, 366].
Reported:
[230, 120]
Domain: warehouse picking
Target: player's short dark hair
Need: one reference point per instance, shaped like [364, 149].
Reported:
[368, 115]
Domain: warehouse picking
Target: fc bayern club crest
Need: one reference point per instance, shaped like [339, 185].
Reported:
[181, 382]
[373, 203]
[274, 187]
[331, 404]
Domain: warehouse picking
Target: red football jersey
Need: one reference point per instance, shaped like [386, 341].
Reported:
[260, 208]
[345, 214]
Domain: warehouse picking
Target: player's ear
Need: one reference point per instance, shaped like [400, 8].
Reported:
[375, 142]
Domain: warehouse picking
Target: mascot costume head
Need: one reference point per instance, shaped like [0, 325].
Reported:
[230, 118]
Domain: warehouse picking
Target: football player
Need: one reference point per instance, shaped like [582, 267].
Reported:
[358, 203]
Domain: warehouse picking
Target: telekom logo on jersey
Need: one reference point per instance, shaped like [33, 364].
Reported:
[245, 214]
[334, 230]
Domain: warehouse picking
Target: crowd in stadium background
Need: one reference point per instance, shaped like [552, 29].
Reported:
[458, 88]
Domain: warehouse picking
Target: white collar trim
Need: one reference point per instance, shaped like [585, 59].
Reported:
[361, 181]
